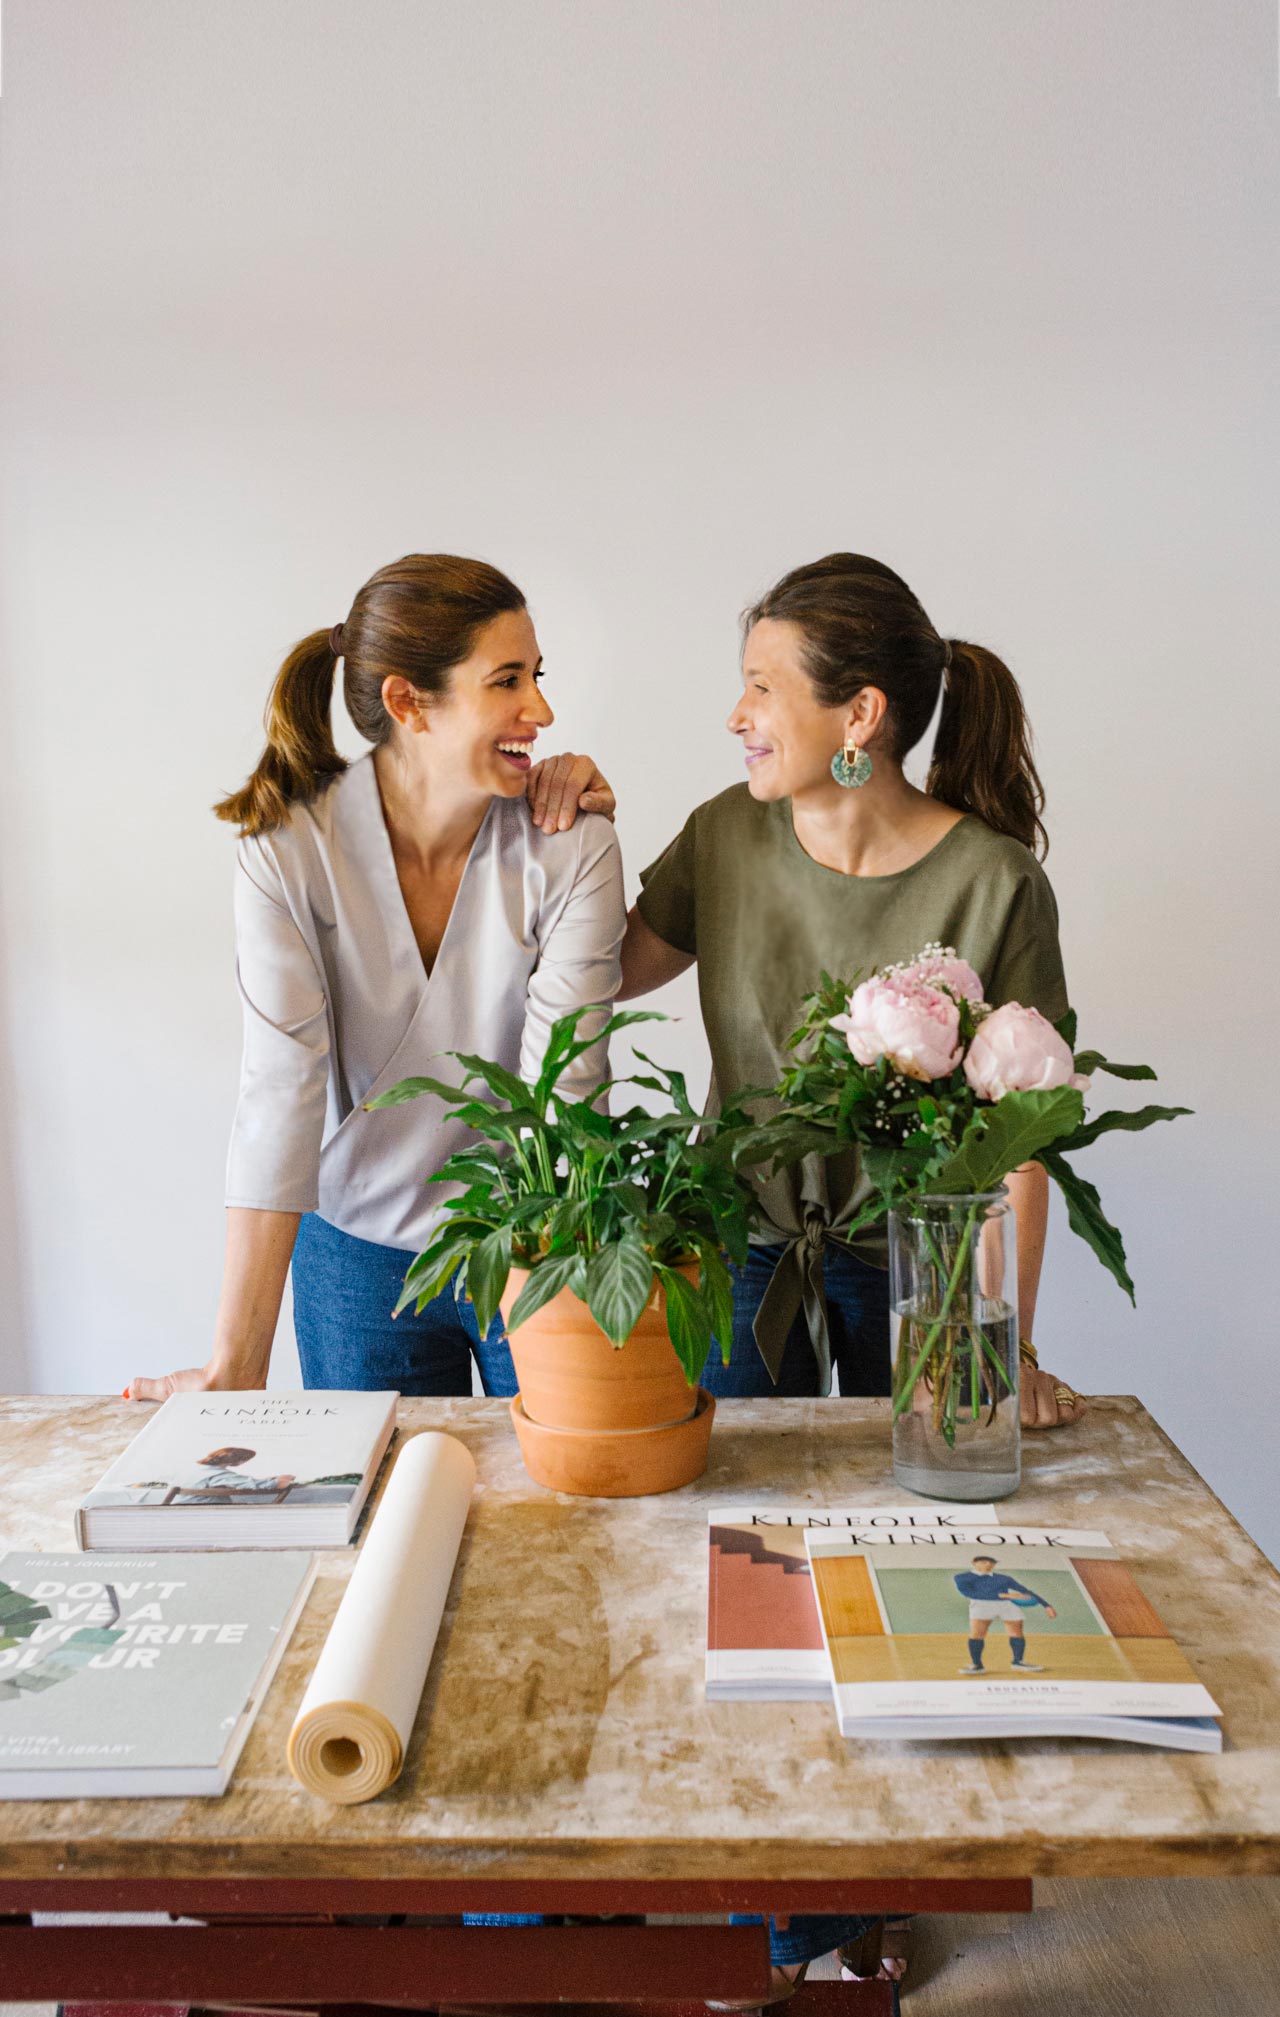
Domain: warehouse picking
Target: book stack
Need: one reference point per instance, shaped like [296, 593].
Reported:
[937, 1622]
[136, 1669]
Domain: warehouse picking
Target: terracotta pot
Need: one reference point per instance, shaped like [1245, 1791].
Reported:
[603, 1420]
[571, 1377]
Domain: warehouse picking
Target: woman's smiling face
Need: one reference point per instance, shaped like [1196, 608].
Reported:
[483, 729]
[788, 737]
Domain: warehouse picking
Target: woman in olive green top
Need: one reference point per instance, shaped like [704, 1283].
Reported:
[828, 859]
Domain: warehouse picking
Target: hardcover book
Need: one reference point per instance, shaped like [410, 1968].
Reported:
[764, 1637]
[1000, 1632]
[243, 1470]
[136, 1675]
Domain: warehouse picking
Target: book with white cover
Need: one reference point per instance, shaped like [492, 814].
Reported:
[242, 1470]
[137, 1675]
[764, 1638]
[1001, 1631]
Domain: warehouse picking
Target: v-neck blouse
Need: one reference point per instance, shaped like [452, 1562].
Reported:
[338, 1005]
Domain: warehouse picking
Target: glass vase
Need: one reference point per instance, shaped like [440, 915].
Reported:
[954, 1312]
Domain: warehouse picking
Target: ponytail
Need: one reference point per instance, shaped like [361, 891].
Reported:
[982, 761]
[300, 758]
[415, 619]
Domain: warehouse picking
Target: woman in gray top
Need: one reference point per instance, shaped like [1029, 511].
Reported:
[388, 910]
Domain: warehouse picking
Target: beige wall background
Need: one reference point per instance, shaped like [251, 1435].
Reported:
[646, 302]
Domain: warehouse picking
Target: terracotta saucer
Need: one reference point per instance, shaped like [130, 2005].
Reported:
[618, 1463]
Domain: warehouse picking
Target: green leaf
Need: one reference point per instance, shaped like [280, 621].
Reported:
[688, 1323]
[567, 1221]
[1117, 1119]
[487, 1272]
[1066, 1027]
[1002, 1137]
[545, 1281]
[563, 1050]
[676, 1085]
[425, 1286]
[1093, 1061]
[474, 1166]
[716, 1287]
[500, 1081]
[581, 1121]
[661, 1229]
[619, 1284]
[413, 1089]
[1086, 1217]
[631, 1196]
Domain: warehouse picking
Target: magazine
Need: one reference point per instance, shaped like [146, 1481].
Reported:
[136, 1675]
[764, 1638]
[242, 1470]
[1000, 1631]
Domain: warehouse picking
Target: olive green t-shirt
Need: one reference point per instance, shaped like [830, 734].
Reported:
[764, 920]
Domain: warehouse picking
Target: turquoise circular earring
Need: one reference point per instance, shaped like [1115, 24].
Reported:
[851, 766]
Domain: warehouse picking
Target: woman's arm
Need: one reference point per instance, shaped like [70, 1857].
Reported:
[273, 1162]
[648, 962]
[1029, 1196]
[258, 1251]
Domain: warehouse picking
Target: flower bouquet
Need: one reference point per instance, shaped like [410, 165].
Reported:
[943, 1095]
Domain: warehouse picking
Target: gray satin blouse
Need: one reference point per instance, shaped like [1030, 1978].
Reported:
[338, 1005]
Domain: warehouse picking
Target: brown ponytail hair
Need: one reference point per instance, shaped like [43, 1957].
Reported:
[862, 626]
[417, 619]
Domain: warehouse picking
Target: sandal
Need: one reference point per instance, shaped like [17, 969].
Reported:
[881, 1955]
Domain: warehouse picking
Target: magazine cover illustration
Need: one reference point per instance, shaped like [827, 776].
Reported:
[249, 1451]
[1055, 1624]
[764, 1636]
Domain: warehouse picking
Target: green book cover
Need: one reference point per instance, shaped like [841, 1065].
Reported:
[136, 1673]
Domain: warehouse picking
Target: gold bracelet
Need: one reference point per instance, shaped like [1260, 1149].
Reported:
[1028, 1353]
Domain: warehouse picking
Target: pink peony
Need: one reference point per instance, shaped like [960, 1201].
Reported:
[942, 967]
[1017, 1050]
[916, 1027]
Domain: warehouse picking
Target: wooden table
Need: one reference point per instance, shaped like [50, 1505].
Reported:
[565, 1758]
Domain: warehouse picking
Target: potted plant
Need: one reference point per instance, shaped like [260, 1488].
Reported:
[943, 1095]
[592, 1231]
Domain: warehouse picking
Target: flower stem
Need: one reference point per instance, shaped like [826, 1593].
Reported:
[926, 1350]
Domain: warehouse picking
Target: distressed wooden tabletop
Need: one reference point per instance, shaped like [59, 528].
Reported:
[564, 1730]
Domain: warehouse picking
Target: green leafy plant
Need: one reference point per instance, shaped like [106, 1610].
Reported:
[608, 1205]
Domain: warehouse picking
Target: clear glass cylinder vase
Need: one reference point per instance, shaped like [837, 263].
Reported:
[953, 1268]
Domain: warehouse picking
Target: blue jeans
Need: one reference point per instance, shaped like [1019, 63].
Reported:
[858, 1324]
[344, 1291]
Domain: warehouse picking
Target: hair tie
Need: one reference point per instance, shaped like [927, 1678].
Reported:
[335, 640]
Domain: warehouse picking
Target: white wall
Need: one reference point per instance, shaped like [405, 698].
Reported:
[646, 302]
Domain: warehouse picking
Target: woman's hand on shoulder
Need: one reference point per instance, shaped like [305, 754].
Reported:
[1049, 1401]
[560, 787]
[213, 1378]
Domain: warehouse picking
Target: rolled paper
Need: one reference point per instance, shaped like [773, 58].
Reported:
[350, 1735]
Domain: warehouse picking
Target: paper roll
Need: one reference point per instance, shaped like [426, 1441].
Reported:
[349, 1738]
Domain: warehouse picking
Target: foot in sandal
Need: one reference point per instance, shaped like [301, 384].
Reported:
[881, 1955]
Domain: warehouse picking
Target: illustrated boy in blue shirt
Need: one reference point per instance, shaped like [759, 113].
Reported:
[996, 1595]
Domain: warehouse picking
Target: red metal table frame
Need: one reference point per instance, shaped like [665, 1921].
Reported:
[291, 1940]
